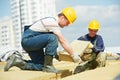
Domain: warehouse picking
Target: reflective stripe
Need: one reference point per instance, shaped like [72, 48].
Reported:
[95, 42]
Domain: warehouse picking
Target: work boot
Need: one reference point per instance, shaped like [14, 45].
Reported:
[78, 69]
[81, 67]
[14, 60]
[48, 64]
[15, 53]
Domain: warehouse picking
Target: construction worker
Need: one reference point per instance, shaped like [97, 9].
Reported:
[40, 41]
[93, 57]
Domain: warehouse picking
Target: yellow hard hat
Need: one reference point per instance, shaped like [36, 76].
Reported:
[70, 14]
[94, 24]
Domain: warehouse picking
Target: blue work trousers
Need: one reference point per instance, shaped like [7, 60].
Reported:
[39, 44]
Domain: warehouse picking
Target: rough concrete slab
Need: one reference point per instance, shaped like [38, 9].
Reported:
[110, 72]
[17, 74]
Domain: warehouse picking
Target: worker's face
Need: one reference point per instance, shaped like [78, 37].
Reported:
[92, 32]
[63, 22]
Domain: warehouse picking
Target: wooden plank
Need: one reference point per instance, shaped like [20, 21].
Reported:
[64, 56]
[78, 46]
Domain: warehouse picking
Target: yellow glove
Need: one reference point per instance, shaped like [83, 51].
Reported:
[88, 50]
[90, 46]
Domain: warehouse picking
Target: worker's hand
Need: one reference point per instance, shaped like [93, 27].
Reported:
[88, 51]
[76, 57]
[90, 46]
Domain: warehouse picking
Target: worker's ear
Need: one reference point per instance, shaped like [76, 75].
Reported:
[62, 18]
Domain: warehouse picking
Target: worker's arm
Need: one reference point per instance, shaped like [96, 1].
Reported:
[64, 43]
[66, 46]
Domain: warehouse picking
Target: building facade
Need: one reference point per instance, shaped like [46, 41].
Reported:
[6, 32]
[25, 12]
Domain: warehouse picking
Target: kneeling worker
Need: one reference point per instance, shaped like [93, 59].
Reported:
[94, 57]
[40, 41]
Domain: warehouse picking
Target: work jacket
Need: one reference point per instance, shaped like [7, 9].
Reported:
[97, 41]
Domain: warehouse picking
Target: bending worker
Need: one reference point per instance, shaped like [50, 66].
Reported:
[40, 41]
[93, 57]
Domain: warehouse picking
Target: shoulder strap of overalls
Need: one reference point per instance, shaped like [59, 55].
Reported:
[95, 42]
[27, 26]
[44, 24]
[83, 37]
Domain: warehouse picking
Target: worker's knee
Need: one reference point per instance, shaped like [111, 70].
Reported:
[101, 59]
[53, 39]
[102, 56]
[51, 47]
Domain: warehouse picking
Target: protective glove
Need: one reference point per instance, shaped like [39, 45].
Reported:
[90, 46]
[88, 51]
[76, 57]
